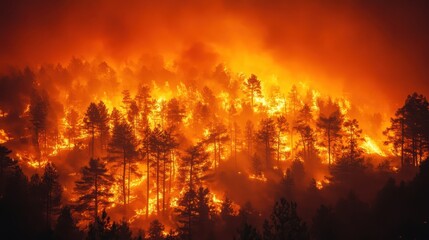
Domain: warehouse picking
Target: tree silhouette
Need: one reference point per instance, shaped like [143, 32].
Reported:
[266, 136]
[409, 131]
[123, 146]
[252, 88]
[294, 105]
[330, 126]
[194, 214]
[66, 226]
[303, 127]
[38, 117]
[249, 137]
[217, 135]
[175, 113]
[93, 187]
[91, 120]
[282, 127]
[284, 222]
[7, 164]
[72, 126]
[155, 230]
[194, 164]
[103, 123]
[144, 103]
[324, 223]
[52, 192]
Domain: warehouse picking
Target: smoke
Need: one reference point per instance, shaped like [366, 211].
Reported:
[373, 52]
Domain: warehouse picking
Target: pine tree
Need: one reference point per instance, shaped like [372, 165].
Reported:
[123, 146]
[155, 230]
[103, 124]
[91, 119]
[7, 164]
[38, 117]
[282, 127]
[252, 89]
[52, 192]
[66, 226]
[266, 136]
[93, 187]
[285, 223]
[194, 164]
[331, 127]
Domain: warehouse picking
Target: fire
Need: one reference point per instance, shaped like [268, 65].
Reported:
[371, 147]
[319, 184]
[260, 178]
[4, 136]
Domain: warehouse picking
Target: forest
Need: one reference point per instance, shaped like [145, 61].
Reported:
[214, 119]
[84, 157]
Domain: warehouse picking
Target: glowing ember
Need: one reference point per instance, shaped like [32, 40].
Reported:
[255, 177]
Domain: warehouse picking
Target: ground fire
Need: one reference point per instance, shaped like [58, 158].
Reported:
[170, 121]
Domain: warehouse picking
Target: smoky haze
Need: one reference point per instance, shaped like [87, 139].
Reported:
[373, 51]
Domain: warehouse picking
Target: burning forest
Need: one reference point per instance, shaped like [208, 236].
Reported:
[223, 120]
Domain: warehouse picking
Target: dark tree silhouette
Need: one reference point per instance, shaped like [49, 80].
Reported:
[330, 127]
[144, 103]
[284, 222]
[155, 230]
[91, 119]
[52, 192]
[194, 214]
[38, 117]
[103, 124]
[324, 223]
[282, 127]
[249, 132]
[409, 131]
[72, 127]
[66, 226]
[217, 135]
[266, 136]
[194, 165]
[123, 146]
[175, 113]
[7, 165]
[252, 88]
[93, 187]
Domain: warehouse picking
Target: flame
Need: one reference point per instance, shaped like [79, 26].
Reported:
[4, 136]
[260, 178]
[370, 147]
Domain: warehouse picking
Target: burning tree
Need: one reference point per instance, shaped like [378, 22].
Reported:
[282, 127]
[38, 117]
[252, 88]
[93, 187]
[217, 135]
[330, 126]
[91, 120]
[123, 146]
[408, 133]
[194, 165]
[266, 136]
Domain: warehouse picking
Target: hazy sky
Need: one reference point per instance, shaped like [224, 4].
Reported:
[376, 49]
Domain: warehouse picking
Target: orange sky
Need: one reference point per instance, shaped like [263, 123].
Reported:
[372, 51]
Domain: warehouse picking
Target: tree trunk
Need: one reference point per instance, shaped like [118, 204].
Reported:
[157, 182]
[96, 198]
[402, 143]
[124, 192]
[147, 182]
